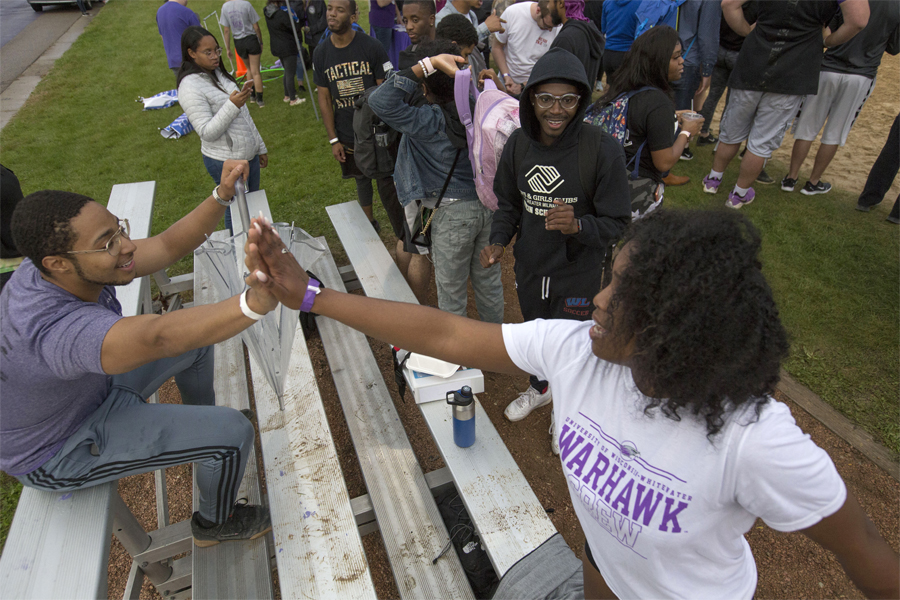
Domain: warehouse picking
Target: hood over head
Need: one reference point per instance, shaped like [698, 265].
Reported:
[555, 66]
[575, 10]
[596, 41]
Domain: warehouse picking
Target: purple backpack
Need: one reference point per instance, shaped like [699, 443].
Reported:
[496, 117]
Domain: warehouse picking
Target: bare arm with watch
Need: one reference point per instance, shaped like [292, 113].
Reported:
[135, 341]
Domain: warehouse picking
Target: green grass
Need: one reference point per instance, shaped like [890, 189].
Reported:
[9, 497]
[834, 271]
[835, 275]
[82, 131]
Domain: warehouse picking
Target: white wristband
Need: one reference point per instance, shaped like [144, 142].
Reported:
[245, 308]
[428, 67]
[333, 141]
[687, 133]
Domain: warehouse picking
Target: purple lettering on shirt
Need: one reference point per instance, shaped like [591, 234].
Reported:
[642, 504]
[672, 515]
[583, 455]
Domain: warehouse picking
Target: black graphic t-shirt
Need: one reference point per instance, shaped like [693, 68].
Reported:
[348, 72]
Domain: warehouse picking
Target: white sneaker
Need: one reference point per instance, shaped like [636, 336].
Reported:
[554, 439]
[527, 401]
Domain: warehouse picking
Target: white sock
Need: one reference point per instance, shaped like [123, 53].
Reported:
[741, 191]
[715, 174]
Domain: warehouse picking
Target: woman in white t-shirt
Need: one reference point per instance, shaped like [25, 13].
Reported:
[670, 443]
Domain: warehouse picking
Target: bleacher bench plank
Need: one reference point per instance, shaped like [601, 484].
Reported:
[235, 569]
[507, 514]
[58, 543]
[408, 518]
[318, 548]
[134, 201]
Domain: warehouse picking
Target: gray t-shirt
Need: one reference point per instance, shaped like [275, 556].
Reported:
[240, 16]
[49, 366]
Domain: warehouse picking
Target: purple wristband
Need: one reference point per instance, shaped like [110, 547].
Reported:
[312, 290]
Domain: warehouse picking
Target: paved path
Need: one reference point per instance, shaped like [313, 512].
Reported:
[31, 43]
[14, 16]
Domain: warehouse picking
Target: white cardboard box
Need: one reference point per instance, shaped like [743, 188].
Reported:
[429, 388]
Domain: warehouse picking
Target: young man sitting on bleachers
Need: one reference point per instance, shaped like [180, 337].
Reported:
[76, 373]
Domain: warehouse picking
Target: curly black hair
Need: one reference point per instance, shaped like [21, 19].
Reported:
[707, 334]
[439, 84]
[42, 224]
[457, 28]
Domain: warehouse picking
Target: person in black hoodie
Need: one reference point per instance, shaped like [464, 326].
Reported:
[565, 215]
[578, 35]
[316, 24]
[284, 46]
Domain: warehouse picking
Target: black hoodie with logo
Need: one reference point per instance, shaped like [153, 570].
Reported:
[526, 191]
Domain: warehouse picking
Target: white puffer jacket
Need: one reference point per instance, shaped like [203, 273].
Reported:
[225, 130]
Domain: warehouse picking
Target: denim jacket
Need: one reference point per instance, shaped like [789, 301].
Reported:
[426, 154]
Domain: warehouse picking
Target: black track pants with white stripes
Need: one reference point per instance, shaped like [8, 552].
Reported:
[127, 436]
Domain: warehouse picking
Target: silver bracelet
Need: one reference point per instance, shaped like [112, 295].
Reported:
[215, 194]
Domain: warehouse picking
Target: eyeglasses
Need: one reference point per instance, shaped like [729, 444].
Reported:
[114, 244]
[211, 53]
[567, 101]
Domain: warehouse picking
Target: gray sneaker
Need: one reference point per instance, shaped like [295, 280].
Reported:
[764, 178]
[554, 439]
[246, 522]
[527, 401]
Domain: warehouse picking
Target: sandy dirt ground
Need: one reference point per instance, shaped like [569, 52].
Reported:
[851, 165]
[790, 565]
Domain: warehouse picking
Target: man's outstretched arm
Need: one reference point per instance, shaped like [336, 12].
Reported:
[179, 240]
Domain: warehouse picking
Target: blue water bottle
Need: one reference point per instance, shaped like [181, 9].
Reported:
[463, 416]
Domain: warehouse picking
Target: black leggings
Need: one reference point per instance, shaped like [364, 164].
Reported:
[290, 69]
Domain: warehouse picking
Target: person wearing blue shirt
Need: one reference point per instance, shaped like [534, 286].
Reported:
[172, 18]
[618, 24]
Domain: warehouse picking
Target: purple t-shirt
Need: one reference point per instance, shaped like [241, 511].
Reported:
[172, 19]
[49, 366]
[381, 17]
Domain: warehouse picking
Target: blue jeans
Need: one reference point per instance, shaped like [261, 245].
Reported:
[461, 230]
[214, 168]
[127, 436]
[385, 35]
[686, 87]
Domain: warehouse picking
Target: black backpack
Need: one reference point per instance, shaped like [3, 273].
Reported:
[375, 145]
